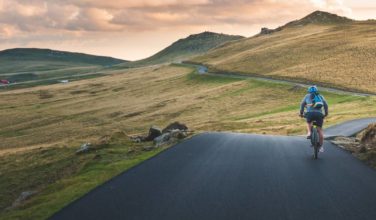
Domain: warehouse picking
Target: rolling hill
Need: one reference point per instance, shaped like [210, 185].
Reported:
[186, 48]
[320, 48]
[31, 66]
[42, 127]
[44, 66]
[38, 58]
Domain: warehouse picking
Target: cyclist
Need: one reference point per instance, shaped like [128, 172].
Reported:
[314, 102]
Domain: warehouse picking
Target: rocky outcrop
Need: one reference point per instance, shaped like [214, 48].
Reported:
[163, 139]
[363, 145]
[368, 136]
[174, 126]
[265, 30]
[170, 134]
[178, 134]
[154, 132]
[170, 137]
[86, 147]
[24, 196]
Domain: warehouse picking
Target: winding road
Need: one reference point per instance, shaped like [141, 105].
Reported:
[200, 69]
[238, 176]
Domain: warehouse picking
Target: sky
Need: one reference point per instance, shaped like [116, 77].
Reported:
[136, 29]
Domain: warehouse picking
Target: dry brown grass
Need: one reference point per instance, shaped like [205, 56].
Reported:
[363, 145]
[341, 55]
[42, 127]
[136, 99]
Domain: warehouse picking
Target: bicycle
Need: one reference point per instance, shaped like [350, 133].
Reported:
[315, 138]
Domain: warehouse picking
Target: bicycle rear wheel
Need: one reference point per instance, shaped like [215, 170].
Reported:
[315, 142]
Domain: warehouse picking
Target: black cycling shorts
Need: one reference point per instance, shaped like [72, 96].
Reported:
[315, 116]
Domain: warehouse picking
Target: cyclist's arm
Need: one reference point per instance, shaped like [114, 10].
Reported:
[302, 105]
[326, 108]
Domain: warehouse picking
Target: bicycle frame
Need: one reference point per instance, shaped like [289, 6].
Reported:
[315, 140]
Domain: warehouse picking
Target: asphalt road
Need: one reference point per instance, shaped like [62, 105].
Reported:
[348, 128]
[236, 176]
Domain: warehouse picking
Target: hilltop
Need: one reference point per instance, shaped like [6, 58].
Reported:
[316, 17]
[47, 66]
[185, 48]
[320, 17]
[64, 58]
[320, 48]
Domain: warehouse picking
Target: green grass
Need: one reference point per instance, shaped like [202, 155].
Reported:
[267, 112]
[34, 67]
[205, 79]
[38, 59]
[60, 176]
[334, 98]
[46, 80]
[195, 77]
[288, 110]
[54, 117]
[254, 84]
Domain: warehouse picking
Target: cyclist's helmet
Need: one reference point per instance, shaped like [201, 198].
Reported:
[312, 89]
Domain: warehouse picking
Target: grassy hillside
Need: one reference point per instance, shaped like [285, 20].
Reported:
[13, 60]
[42, 127]
[319, 17]
[182, 49]
[43, 66]
[321, 48]
[134, 100]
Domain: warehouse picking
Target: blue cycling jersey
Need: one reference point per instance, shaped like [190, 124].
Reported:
[307, 103]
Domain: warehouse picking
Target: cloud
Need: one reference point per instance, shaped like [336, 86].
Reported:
[61, 23]
[99, 15]
[91, 19]
[214, 12]
[336, 6]
[7, 31]
[133, 3]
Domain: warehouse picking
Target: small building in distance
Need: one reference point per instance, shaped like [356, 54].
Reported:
[4, 82]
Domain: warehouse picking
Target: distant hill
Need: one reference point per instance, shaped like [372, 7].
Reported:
[182, 49]
[48, 66]
[320, 17]
[316, 17]
[320, 48]
[38, 56]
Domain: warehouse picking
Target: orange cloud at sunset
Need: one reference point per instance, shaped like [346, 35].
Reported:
[134, 29]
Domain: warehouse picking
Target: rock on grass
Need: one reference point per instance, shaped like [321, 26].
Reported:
[368, 136]
[174, 126]
[23, 196]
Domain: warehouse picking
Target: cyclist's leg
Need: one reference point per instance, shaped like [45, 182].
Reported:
[309, 127]
[309, 123]
[319, 118]
[321, 135]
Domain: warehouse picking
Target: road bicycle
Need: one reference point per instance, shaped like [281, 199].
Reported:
[315, 138]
